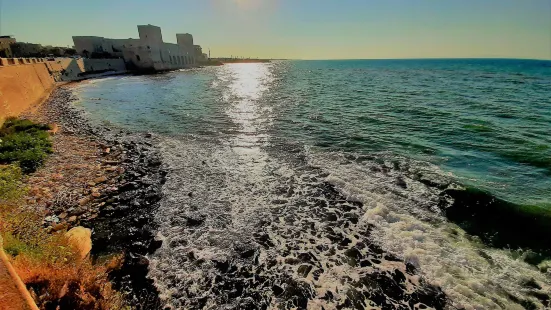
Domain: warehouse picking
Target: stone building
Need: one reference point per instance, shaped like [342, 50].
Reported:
[199, 55]
[149, 52]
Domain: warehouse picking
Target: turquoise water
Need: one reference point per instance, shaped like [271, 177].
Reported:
[450, 161]
[485, 121]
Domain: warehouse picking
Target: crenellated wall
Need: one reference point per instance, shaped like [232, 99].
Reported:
[24, 83]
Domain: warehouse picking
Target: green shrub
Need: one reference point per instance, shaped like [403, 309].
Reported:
[13, 125]
[24, 142]
[10, 182]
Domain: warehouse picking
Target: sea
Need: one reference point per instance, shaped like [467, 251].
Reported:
[347, 184]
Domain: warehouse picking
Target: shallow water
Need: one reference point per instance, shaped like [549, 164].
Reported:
[347, 184]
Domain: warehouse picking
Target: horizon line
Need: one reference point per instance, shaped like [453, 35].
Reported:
[414, 58]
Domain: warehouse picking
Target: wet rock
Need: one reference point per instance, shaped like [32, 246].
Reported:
[304, 270]
[297, 294]
[248, 253]
[401, 182]
[263, 239]
[331, 217]
[222, 265]
[328, 296]
[195, 219]
[278, 290]
[292, 260]
[307, 257]
[531, 283]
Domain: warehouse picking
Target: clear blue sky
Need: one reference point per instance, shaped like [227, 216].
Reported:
[305, 29]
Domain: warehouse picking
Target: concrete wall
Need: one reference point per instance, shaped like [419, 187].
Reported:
[22, 86]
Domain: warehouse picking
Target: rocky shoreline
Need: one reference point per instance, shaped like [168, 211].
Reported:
[107, 180]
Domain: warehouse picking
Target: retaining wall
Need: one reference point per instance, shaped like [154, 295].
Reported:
[24, 83]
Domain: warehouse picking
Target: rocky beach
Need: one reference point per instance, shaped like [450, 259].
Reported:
[220, 190]
[107, 180]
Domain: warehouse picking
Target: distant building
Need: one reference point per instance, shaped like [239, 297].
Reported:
[5, 46]
[149, 52]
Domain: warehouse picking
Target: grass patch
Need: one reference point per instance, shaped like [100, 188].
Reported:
[54, 273]
[11, 187]
[51, 269]
[25, 143]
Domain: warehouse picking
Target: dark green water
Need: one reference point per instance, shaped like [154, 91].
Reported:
[451, 158]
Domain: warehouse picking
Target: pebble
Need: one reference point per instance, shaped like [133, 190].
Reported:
[118, 218]
[100, 179]
[58, 227]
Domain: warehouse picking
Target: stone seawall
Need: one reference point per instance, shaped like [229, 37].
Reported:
[23, 86]
[26, 82]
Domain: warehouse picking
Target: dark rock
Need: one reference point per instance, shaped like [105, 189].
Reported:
[277, 290]
[304, 270]
[292, 260]
[222, 265]
[307, 257]
[401, 182]
[248, 253]
[195, 219]
[531, 283]
[331, 217]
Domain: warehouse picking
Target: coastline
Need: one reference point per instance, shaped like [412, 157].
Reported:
[106, 180]
[109, 220]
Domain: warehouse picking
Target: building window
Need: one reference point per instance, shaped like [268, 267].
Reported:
[138, 57]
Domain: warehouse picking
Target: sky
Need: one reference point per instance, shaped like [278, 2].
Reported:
[301, 29]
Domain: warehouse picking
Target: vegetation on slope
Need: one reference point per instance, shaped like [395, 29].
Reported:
[55, 275]
[25, 143]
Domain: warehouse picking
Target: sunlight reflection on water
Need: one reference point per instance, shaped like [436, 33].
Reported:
[248, 83]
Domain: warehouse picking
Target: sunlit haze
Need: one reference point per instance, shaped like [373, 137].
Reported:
[305, 29]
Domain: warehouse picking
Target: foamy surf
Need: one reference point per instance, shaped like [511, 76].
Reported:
[256, 231]
[407, 218]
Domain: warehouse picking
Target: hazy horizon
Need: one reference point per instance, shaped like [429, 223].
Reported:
[305, 30]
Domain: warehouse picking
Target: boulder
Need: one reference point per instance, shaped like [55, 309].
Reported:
[80, 239]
